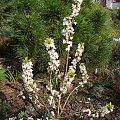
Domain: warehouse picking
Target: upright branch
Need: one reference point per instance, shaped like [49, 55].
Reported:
[72, 69]
[68, 30]
[84, 74]
[29, 85]
[53, 68]
[54, 57]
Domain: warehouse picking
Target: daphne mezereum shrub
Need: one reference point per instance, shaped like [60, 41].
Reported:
[65, 79]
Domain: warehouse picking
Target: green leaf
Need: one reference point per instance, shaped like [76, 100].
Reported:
[110, 106]
[72, 73]
[2, 73]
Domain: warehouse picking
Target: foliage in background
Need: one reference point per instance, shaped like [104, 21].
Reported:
[118, 13]
[5, 18]
[116, 20]
[2, 73]
[6, 31]
[53, 12]
[115, 60]
[33, 21]
[94, 28]
[29, 31]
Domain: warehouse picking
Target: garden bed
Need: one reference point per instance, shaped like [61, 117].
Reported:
[79, 101]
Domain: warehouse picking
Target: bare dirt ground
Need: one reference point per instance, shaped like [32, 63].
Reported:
[77, 102]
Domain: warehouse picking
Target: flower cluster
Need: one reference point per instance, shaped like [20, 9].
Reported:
[105, 110]
[78, 55]
[53, 94]
[72, 69]
[76, 7]
[101, 112]
[29, 84]
[54, 61]
[53, 68]
[67, 81]
[87, 111]
[84, 74]
[68, 30]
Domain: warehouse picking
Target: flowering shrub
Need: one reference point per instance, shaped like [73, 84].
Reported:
[64, 85]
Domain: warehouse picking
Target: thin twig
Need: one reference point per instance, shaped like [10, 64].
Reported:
[69, 97]
[66, 66]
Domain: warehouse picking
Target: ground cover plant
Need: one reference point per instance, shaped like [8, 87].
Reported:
[60, 85]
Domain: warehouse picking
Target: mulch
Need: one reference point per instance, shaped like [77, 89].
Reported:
[77, 102]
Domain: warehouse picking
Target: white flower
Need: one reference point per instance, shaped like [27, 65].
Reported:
[63, 88]
[54, 57]
[89, 99]
[59, 96]
[81, 84]
[12, 118]
[30, 118]
[76, 7]
[52, 113]
[84, 72]
[103, 111]
[87, 111]
[97, 115]
[23, 97]
[54, 92]
[28, 81]
[51, 101]
[72, 68]
[68, 30]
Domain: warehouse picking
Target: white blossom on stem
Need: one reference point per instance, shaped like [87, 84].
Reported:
[105, 110]
[98, 113]
[68, 30]
[78, 55]
[29, 85]
[51, 101]
[53, 93]
[72, 69]
[76, 7]
[53, 68]
[54, 57]
[84, 74]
